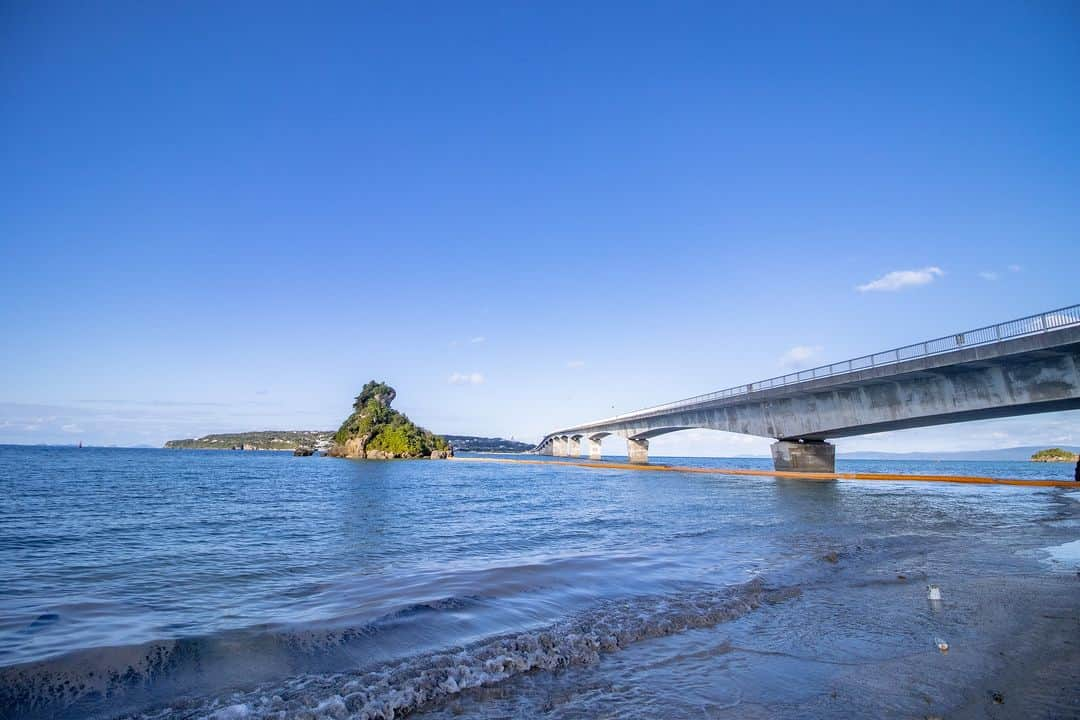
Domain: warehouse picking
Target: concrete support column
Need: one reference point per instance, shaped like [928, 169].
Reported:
[638, 450]
[807, 456]
[548, 449]
[573, 446]
[558, 446]
[594, 448]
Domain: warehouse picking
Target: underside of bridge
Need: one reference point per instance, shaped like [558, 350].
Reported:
[1032, 374]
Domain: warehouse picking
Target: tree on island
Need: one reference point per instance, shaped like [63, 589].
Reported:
[376, 431]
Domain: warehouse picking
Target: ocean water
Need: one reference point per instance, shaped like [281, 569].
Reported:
[185, 584]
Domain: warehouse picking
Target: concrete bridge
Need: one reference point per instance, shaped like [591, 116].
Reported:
[1020, 367]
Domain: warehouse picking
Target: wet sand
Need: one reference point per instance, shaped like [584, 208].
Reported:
[858, 645]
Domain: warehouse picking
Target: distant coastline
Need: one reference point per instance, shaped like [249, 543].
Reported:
[1020, 453]
[471, 443]
[288, 440]
[258, 440]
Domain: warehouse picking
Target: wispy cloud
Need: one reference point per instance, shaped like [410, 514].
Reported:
[799, 355]
[575, 364]
[477, 339]
[1015, 268]
[899, 279]
[988, 275]
[473, 378]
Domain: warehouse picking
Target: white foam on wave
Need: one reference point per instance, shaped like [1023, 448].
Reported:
[1065, 556]
[397, 690]
[232, 712]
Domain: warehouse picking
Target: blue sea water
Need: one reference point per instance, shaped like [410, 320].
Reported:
[162, 583]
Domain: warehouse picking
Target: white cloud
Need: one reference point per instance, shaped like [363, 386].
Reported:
[477, 339]
[988, 275]
[574, 364]
[1015, 268]
[898, 279]
[799, 355]
[72, 428]
[473, 378]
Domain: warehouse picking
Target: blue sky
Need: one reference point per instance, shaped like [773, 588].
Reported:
[230, 216]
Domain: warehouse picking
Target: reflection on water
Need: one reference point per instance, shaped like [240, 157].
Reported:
[190, 583]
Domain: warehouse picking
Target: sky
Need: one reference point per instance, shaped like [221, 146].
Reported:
[229, 216]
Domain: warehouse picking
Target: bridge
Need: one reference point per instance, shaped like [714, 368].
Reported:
[1020, 367]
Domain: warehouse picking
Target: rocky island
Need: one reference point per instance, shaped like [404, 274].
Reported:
[375, 431]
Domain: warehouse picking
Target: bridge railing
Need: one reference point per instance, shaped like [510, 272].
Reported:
[1030, 325]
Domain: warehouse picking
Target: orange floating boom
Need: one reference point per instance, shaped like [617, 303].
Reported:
[973, 480]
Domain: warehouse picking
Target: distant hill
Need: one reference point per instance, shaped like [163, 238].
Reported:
[997, 455]
[471, 443]
[260, 440]
[322, 439]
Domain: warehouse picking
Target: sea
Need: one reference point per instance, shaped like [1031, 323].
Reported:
[206, 584]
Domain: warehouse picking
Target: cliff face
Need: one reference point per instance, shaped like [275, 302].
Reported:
[376, 431]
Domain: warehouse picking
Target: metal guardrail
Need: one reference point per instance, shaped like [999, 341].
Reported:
[1030, 325]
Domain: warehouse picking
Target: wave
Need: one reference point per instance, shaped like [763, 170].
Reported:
[353, 623]
[395, 690]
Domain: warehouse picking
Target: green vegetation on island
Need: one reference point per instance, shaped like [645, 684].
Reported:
[1055, 455]
[376, 431]
[261, 440]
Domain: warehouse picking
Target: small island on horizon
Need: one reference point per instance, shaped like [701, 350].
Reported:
[1055, 455]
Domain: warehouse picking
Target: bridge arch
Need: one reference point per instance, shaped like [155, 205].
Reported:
[657, 432]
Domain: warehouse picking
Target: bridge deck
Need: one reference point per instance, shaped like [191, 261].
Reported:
[881, 364]
[1024, 366]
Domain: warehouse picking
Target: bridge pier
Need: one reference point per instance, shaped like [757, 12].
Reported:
[558, 446]
[573, 446]
[806, 456]
[638, 450]
[594, 448]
